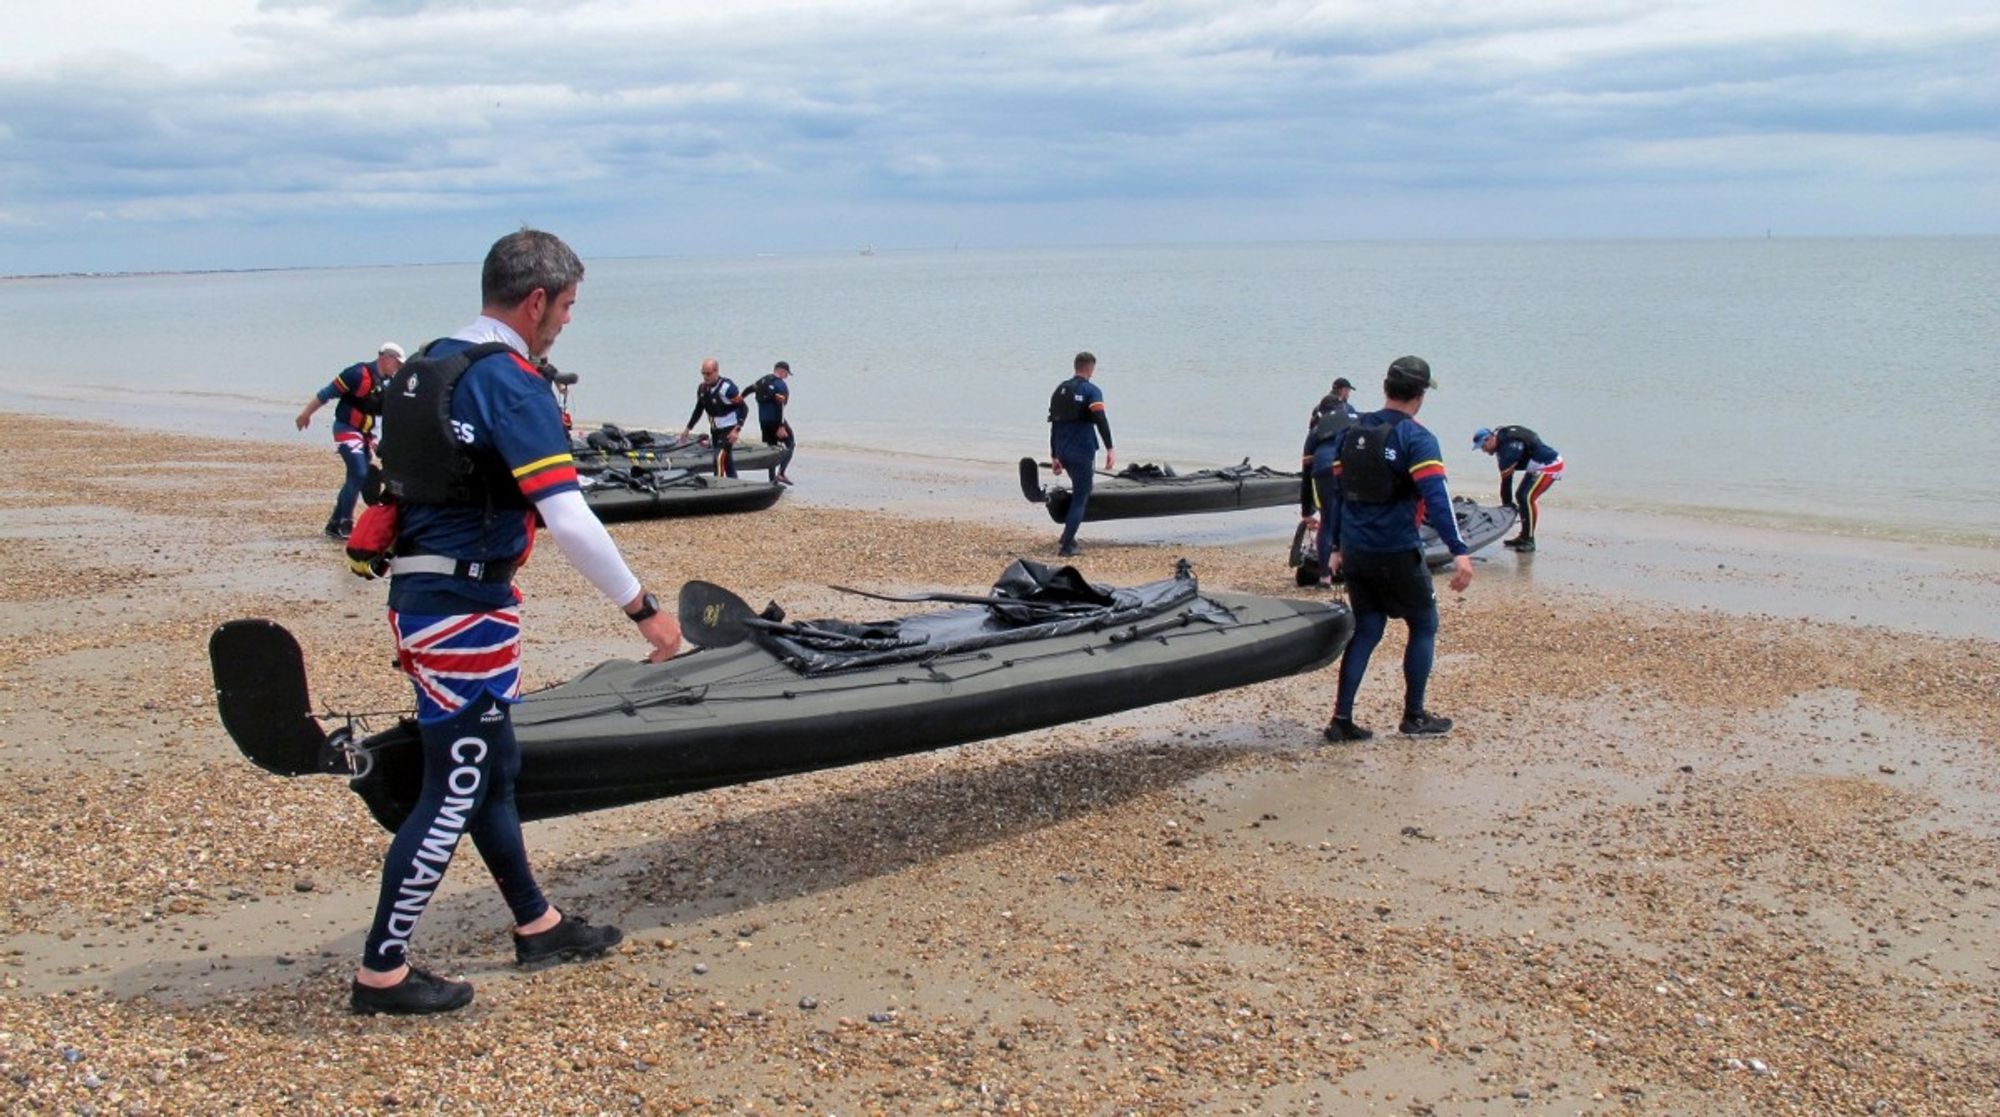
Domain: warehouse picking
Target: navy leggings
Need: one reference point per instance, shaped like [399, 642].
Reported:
[354, 455]
[1082, 477]
[470, 761]
[1417, 659]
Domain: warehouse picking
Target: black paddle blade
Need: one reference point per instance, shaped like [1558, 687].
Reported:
[712, 616]
[260, 691]
[1031, 481]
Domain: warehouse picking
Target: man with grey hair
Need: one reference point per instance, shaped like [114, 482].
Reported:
[475, 453]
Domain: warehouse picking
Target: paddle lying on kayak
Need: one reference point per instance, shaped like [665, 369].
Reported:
[766, 695]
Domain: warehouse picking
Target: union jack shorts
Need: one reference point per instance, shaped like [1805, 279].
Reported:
[454, 660]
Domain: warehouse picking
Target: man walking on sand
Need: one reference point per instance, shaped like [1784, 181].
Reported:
[1076, 422]
[1389, 477]
[475, 453]
[359, 390]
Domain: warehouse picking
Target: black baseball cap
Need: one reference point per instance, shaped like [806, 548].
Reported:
[1412, 372]
[1342, 382]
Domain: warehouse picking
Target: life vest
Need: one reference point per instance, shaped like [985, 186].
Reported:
[423, 462]
[1330, 424]
[767, 387]
[369, 400]
[1066, 405]
[1369, 471]
[1529, 440]
[715, 405]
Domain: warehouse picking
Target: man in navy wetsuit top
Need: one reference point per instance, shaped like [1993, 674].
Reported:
[359, 390]
[773, 391]
[1333, 415]
[1518, 449]
[1076, 422]
[718, 398]
[1389, 477]
[475, 451]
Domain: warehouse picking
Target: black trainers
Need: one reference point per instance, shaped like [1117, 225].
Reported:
[1525, 547]
[1070, 551]
[1514, 542]
[418, 994]
[1344, 729]
[572, 940]
[338, 531]
[1425, 724]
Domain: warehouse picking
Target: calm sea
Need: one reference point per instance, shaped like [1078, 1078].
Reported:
[1833, 385]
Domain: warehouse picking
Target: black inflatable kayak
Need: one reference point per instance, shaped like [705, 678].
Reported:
[614, 447]
[1151, 490]
[767, 696]
[638, 492]
[1478, 524]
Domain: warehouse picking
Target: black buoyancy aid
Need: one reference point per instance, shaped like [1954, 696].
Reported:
[369, 402]
[1066, 404]
[1369, 471]
[1529, 440]
[1329, 425]
[766, 387]
[423, 462]
[715, 404]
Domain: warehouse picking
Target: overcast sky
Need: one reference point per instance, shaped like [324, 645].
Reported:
[172, 134]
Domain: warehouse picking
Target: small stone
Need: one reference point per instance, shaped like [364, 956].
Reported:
[303, 884]
[701, 967]
[71, 1054]
[808, 1003]
[881, 1018]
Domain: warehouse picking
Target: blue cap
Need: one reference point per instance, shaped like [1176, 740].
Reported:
[1480, 436]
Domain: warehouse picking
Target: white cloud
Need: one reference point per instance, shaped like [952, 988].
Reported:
[324, 111]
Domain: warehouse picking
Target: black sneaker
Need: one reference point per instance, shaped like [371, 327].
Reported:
[572, 940]
[1525, 547]
[1514, 542]
[1070, 551]
[1344, 729]
[419, 994]
[1425, 724]
[338, 531]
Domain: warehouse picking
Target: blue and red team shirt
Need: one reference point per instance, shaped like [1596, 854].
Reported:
[1076, 439]
[354, 384]
[771, 411]
[1513, 453]
[504, 414]
[1390, 527]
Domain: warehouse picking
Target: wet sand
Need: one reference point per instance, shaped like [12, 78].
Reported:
[1714, 835]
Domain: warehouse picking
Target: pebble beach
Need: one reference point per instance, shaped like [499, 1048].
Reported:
[1714, 834]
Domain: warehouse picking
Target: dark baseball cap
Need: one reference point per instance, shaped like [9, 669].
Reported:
[1412, 372]
[1342, 382]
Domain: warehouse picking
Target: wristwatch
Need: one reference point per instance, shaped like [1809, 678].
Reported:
[649, 607]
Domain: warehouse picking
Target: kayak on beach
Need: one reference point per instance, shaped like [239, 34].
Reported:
[612, 446]
[1155, 490]
[764, 695]
[640, 492]
[1478, 524]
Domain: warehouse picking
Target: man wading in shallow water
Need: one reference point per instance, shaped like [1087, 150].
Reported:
[475, 450]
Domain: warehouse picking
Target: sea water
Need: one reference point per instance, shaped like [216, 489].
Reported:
[1836, 385]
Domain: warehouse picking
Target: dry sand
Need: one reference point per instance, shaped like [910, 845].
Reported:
[1674, 860]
